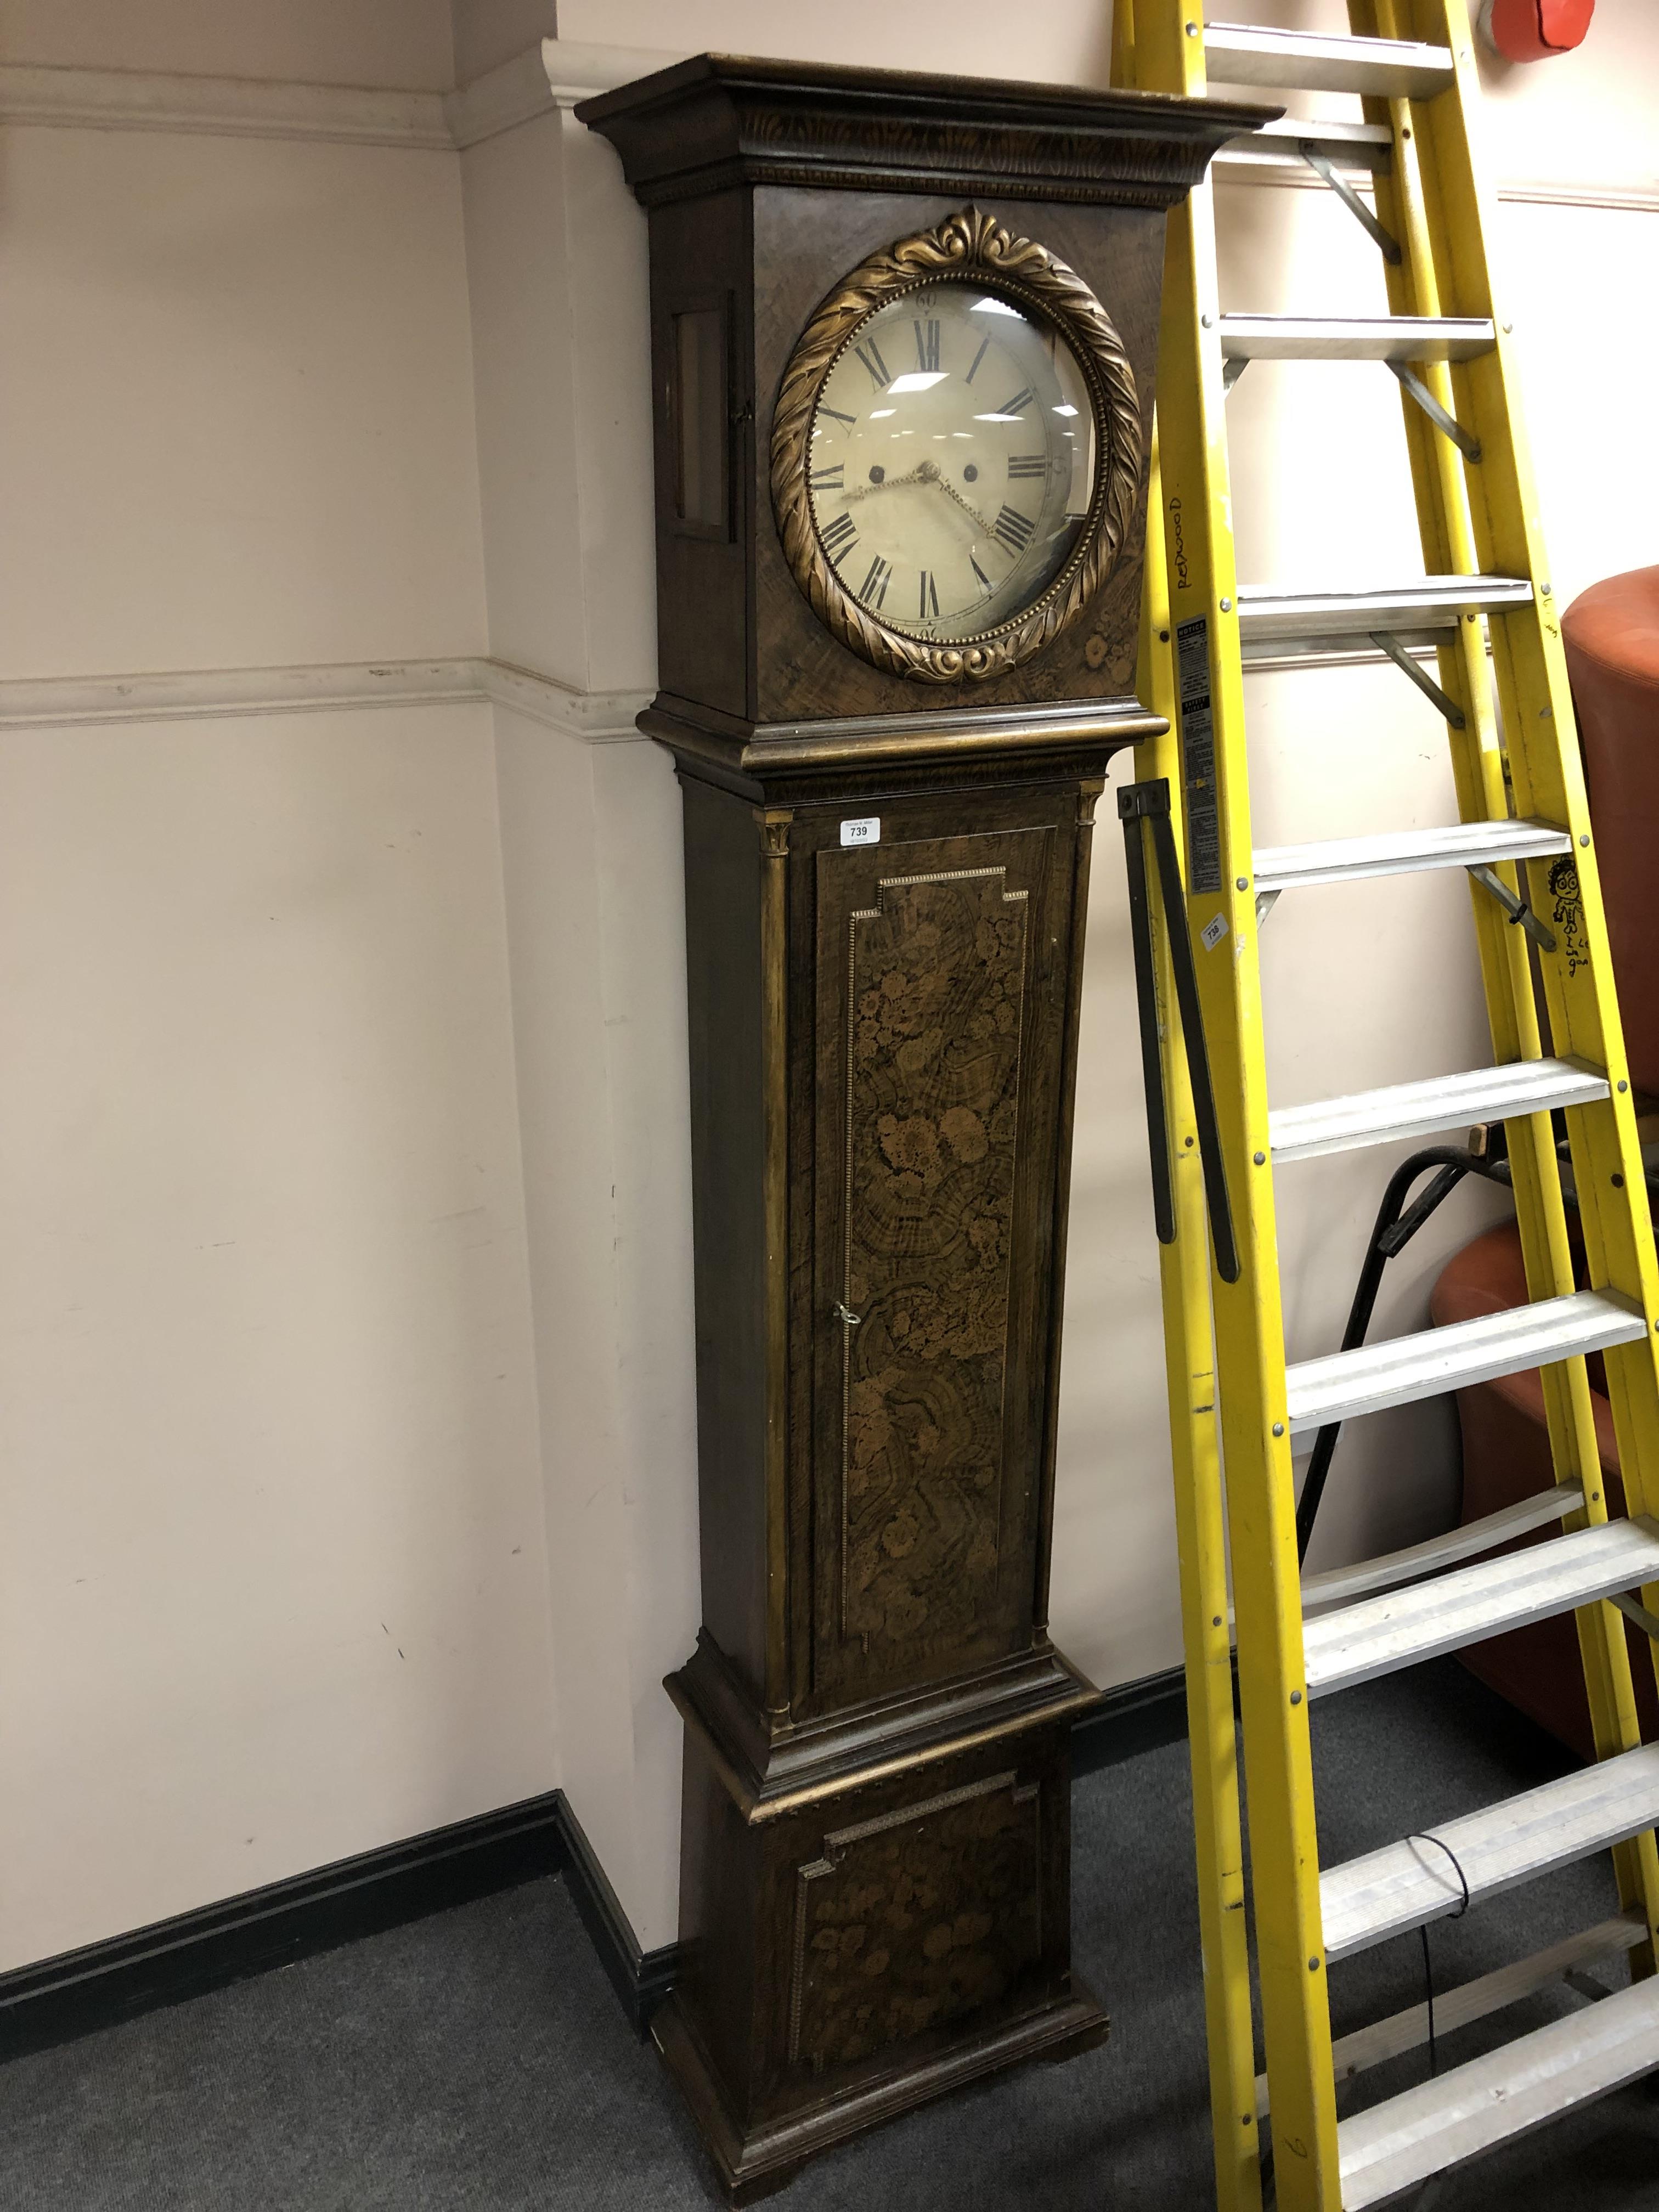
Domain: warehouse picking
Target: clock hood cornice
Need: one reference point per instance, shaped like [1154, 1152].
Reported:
[719, 120]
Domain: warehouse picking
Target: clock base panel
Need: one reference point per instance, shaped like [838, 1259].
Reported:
[856, 1955]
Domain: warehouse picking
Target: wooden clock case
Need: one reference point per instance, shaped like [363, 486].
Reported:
[875, 1829]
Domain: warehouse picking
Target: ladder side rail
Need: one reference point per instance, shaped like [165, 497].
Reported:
[1547, 770]
[1201, 1521]
[1195, 1439]
[1440, 477]
[1249, 1342]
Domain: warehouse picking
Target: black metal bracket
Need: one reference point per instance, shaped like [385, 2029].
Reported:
[1517, 909]
[1465, 441]
[1149, 804]
[1396, 1224]
[1386, 641]
[1384, 240]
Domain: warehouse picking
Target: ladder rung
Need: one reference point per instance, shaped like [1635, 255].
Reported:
[1398, 853]
[1355, 337]
[1444, 2123]
[1272, 621]
[1466, 2002]
[1342, 1585]
[1408, 1884]
[1380, 1635]
[1343, 1384]
[1417, 1109]
[1381, 69]
[1368, 146]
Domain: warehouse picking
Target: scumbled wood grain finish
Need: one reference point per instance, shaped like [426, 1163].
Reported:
[720, 120]
[914, 1008]
[875, 1822]
[935, 975]
[850, 1960]
[931, 1032]
[767, 182]
[914, 1920]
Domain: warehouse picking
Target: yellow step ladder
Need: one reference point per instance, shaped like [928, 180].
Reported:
[1200, 891]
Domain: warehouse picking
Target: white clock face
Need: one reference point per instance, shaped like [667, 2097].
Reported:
[951, 461]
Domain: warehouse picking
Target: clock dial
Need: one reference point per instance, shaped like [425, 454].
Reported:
[951, 461]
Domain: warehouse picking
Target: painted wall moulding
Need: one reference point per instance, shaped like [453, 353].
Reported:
[558, 75]
[206, 694]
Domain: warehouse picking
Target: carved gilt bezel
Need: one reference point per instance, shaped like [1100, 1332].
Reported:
[967, 246]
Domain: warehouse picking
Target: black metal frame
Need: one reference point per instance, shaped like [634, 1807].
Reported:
[1149, 803]
[1395, 1225]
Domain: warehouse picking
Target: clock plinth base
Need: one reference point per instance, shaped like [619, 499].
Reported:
[858, 1943]
[768, 2159]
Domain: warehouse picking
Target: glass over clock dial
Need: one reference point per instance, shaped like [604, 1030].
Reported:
[951, 462]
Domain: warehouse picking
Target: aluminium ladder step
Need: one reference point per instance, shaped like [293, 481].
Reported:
[1341, 1585]
[1466, 2002]
[1355, 337]
[1381, 69]
[1395, 2146]
[1401, 1627]
[1406, 1885]
[1405, 852]
[1341, 1385]
[1273, 621]
[1355, 146]
[1442, 1102]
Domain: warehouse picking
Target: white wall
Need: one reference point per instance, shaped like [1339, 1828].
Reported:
[1064, 42]
[556, 260]
[347, 1279]
[405, 44]
[273, 1586]
[238, 416]
[487, 32]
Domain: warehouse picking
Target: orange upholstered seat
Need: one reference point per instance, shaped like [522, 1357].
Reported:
[1611, 638]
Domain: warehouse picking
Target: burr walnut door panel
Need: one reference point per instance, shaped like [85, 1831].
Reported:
[937, 1036]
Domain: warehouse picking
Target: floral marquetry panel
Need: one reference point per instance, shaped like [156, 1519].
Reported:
[928, 956]
[915, 1920]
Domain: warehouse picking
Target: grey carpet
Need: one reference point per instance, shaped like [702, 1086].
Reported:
[478, 2060]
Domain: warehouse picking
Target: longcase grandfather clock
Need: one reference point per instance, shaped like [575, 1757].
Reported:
[904, 331]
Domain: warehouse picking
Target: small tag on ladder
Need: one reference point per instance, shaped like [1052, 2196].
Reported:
[1198, 757]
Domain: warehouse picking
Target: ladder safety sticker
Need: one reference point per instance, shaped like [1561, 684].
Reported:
[1215, 930]
[1198, 757]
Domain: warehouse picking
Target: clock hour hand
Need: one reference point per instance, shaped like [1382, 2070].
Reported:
[917, 475]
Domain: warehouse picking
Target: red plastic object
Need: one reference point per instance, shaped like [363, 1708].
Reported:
[1532, 30]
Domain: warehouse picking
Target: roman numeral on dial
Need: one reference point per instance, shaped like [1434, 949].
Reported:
[984, 580]
[926, 346]
[873, 590]
[1018, 404]
[839, 536]
[835, 414]
[929, 596]
[870, 354]
[978, 357]
[832, 479]
[1025, 465]
[1013, 529]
